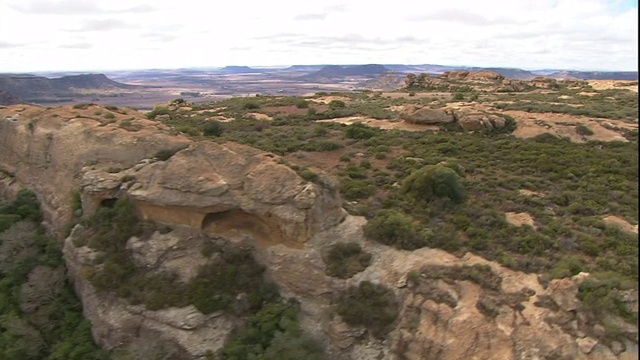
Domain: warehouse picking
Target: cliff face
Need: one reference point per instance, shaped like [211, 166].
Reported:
[248, 197]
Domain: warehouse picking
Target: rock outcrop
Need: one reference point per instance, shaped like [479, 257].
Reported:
[75, 151]
[471, 120]
[483, 76]
[426, 116]
[205, 191]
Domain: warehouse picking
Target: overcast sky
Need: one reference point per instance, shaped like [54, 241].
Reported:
[93, 35]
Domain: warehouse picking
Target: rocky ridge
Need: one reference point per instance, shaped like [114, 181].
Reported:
[253, 200]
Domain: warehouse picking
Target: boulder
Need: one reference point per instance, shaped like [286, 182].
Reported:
[479, 121]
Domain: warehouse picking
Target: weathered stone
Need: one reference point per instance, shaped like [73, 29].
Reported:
[426, 116]
[586, 344]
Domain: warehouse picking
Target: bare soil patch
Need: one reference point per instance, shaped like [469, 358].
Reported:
[526, 192]
[564, 125]
[612, 84]
[328, 99]
[382, 124]
[520, 219]
[259, 116]
[621, 224]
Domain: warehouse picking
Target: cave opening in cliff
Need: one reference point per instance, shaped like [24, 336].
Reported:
[238, 224]
[108, 203]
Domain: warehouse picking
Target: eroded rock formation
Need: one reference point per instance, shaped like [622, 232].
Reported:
[252, 200]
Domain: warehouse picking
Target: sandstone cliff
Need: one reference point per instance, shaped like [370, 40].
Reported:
[207, 191]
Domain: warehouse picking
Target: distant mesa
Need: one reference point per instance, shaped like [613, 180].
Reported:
[333, 72]
[29, 87]
[596, 75]
[232, 69]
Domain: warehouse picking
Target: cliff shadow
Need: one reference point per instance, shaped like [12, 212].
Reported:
[237, 224]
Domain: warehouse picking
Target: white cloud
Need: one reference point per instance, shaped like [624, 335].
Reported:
[111, 34]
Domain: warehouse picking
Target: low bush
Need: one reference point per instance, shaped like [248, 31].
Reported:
[369, 305]
[343, 260]
[166, 154]
[435, 181]
[213, 128]
[396, 229]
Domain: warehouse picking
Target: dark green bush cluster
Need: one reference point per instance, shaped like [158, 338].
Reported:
[344, 260]
[250, 105]
[46, 322]
[273, 333]
[435, 181]
[359, 131]
[602, 295]
[583, 130]
[24, 207]
[213, 128]
[166, 154]
[396, 229]
[370, 305]
[158, 111]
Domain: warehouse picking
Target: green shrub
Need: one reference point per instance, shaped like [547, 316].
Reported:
[213, 128]
[336, 104]
[583, 130]
[322, 145]
[53, 326]
[189, 130]
[370, 305]
[359, 130]
[435, 181]
[302, 104]
[273, 333]
[157, 111]
[166, 154]
[83, 106]
[344, 260]
[358, 189]
[308, 175]
[396, 229]
[250, 105]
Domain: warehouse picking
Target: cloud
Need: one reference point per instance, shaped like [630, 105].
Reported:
[103, 25]
[71, 7]
[310, 16]
[64, 7]
[140, 9]
[77, 46]
[157, 36]
[8, 45]
[461, 17]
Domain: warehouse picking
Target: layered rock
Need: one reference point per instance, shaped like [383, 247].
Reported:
[46, 149]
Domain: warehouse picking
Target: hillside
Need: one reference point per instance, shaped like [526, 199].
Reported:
[331, 73]
[461, 215]
[6, 98]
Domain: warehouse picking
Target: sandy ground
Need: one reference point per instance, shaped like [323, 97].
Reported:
[382, 124]
[564, 125]
[621, 224]
[520, 219]
[612, 84]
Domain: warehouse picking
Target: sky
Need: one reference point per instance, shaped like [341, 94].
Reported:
[101, 35]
